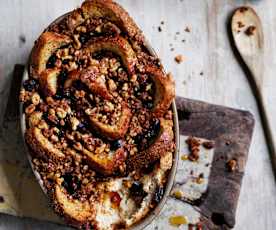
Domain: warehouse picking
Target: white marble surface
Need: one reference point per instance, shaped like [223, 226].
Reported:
[206, 49]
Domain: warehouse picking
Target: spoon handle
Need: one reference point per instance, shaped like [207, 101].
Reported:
[267, 125]
[255, 67]
[248, 37]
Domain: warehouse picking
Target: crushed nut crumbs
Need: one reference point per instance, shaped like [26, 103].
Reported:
[193, 145]
[250, 30]
[179, 58]
[232, 165]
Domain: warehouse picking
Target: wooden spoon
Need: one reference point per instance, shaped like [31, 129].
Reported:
[249, 39]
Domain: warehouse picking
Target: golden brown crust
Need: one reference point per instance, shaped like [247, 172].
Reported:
[115, 13]
[116, 131]
[45, 46]
[92, 79]
[117, 45]
[164, 143]
[103, 163]
[41, 145]
[95, 83]
[48, 81]
[74, 211]
[75, 19]
[165, 90]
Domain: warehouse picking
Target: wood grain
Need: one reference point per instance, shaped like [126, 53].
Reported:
[206, 49]
[251, 49]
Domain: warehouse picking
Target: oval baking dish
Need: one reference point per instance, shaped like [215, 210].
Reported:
[110, 138]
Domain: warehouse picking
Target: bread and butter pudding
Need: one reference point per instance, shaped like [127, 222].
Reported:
[99, 123]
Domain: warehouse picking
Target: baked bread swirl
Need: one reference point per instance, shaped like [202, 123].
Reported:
[98, 114]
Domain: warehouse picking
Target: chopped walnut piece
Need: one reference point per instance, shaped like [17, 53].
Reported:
[208, 144]
[35, 99]
[200, 178]
[30, 109]
[187, 29]
[250, 30]
[111, 85]
[193, 145]
[74, 123]
[179, 58]
[232, 165]
[61, 113]
[240, 24]
[243, 9]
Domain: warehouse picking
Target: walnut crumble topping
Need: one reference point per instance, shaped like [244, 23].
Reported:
[99, 122]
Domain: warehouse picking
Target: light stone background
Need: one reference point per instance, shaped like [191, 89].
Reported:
[206, 49]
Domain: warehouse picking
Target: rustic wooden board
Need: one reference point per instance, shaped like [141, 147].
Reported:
[231, 130]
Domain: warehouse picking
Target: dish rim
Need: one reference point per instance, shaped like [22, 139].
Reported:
[171, 176]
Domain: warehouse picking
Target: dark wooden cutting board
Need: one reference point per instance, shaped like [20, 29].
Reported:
[230, 129]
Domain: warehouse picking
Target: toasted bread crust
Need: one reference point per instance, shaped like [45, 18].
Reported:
[116, 131]
[45, 46]
[106, 166]
[117, 45]
[115, 13]
[95, 83]
[48, 81]
[165, 90]
[41, 145]
[164, 143]
[75, 212]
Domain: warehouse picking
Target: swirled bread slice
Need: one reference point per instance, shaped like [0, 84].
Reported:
[163, 143]
[116, 131]
[74, 211]
[117, 45]
[49, 81]
[92, 79]
[97, 85]
[45, 46]
[95, 82]
[106, 163]
[164, 90]
[115, 13]
[41, 145]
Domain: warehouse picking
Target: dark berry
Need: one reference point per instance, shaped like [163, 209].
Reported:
[69, 95]
[62, 77]
[155, 128]
[83, 126]
[30, 85]
[136, 189]
[58, 95]
[144, 140]
[61, 133]
[51, 62]
[114, 145]
[71, 183]
[84, 37]
[65, 61]
[149, 168]
[158, 195]
[80, 62]
[149, 104]
[79, 85]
